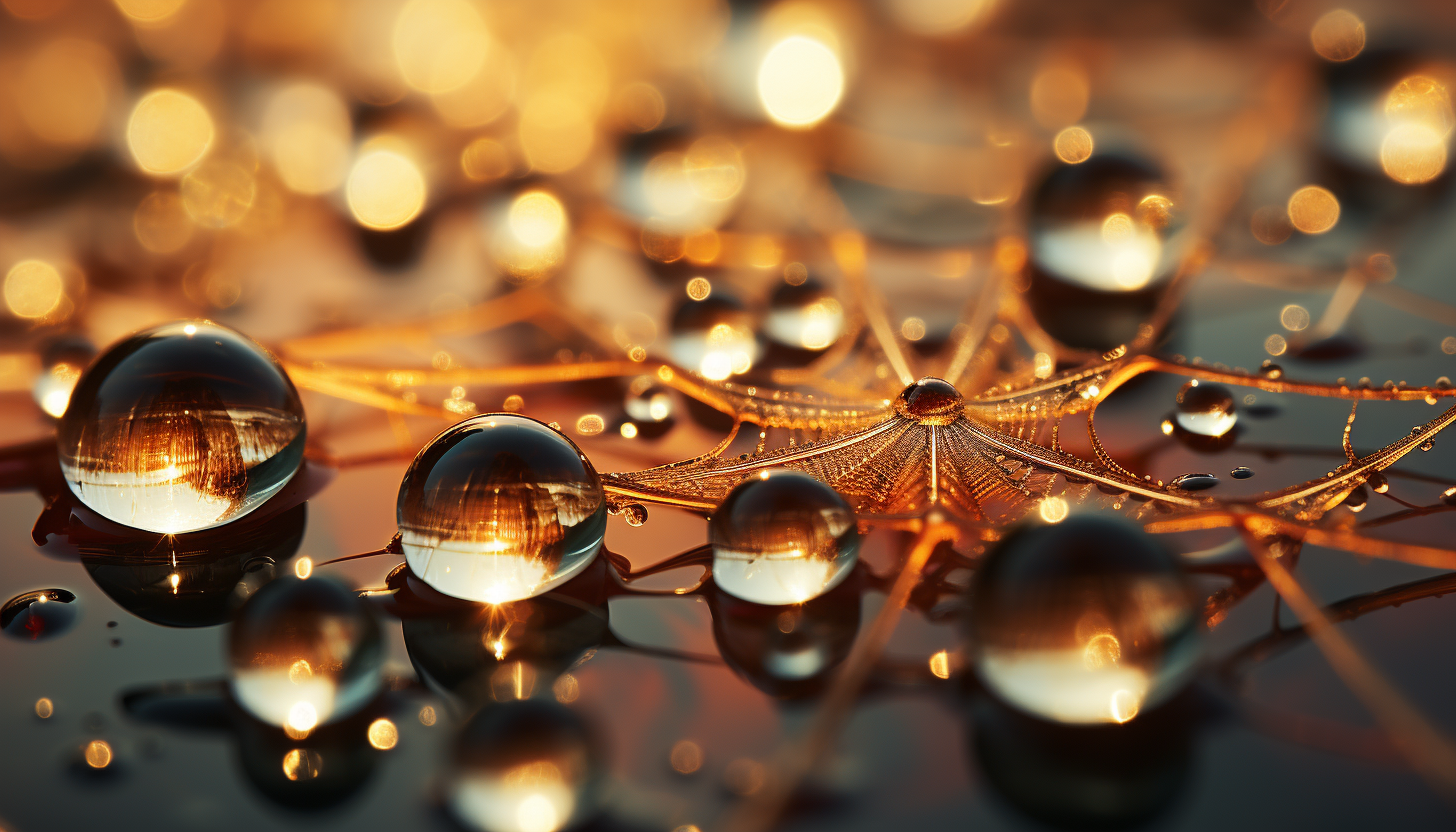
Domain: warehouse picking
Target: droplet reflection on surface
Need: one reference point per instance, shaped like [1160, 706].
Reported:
[40, 614]
[1086, 621]
[181, 427]
[499, 508]
[524, 766]
[304, 653]
[782, 537]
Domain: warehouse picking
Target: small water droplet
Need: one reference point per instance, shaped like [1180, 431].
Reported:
[1378, 483]
[635, 514]
[40, 614]
[1357, 499]
[1194, 482]
[1242, 473]
[1206, 409]
[1428, 444]
[1270, 370]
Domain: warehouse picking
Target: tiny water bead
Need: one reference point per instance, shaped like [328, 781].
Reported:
[804, 316]
[39, 614]
[714, 337]
[525, 766]
[499, 508]
[1194, 482]
[1087, 621]
[931, 401]
[1242, 473]
[304, 653]
[181, 427]
[1206, 409]
[782, 537]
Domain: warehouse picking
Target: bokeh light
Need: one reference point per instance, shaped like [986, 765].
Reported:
[1313, 210]
[306, 134]
[33, 289]
[385, 190]
[168, 132]
[1338, 35]
[440, 44]
[1073, 145]
[800, 81]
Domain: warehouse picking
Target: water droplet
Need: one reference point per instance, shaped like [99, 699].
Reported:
[1378, 483]
[527, 765]
[1206, 409]
[788, 652]
[1357, 499]
[39, 614]
[1242, 473]
[1449, 496]
[1270, 370]
[304, 653]
[635, 514]
[61, 363]
[931, 401]
[714, 338]
[499, 508]
[181, 427]
[1194, 482]
[805, 316]
[1086, 621]
[648, 403]
[1428, 444]
[782, 537]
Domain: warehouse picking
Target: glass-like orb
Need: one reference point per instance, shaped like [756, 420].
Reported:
[782, 537]
[1085, 621]
[524, 766]
[714, 337]
[181, 427]
[1206, 409]
[788, 652]
[499, 508]
[304, 653]
[804, 316]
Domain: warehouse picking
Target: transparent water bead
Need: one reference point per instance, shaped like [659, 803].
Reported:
[499, 508]
[525, 766]
[931, 401]
[181, 427]
[1086, 621]
[782, 537]
[804, 316]
[1206, 409]
[1107, 224]
[304, 653]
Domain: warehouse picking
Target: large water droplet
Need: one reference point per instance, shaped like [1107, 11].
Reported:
[498, 508]
[931, 401]
[1206, 409]
[1085, 621]
[714, 337]
[527, 765]
[39, 614]
[782, 537]
[181, 427]
[304, 653]
[804, 316]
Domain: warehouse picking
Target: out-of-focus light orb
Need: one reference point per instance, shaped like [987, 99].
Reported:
[782, 537]
[1418, 112]
[33, 289]
[1073, 145]
[383, 734]
[640, 106]
[1338, 35]
[440, 44]
[161, 222]
[304, 653]
[1084, 621]
[149, 11]
[64, 90]
[168, 132]
[181, 427]
[98, 754]
[61, 364]
[218, 192]
[500, 508]
[1107, 224]
[524, 766]
[800, 81]
[537, 219]
[714, 337]
[939, 18]
[306, 133]
[556, 131]
[714, 168]
[1059, 94]
[386, 190]
[804, 316]
[485, 159]
[1313, 210]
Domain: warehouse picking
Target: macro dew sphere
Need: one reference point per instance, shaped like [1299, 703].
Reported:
[500, 508]
[181, 427]
[782, 537]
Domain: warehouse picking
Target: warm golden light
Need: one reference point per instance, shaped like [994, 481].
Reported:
[1073, 145]
[1275, 345]
[1124, 705]
[98, 754]
[556, 131]
[385, 190]
[686, 757]
[33, 289]
[44, 708]
[427, 716]
[800, 81]
[912, 329]
[699, 288]
[537, 219]
[940, 17]
[169, 131]
[1059, 94]
[1313, 210]
[1053, 509]
[1294, 317]
[940, 664]
[64, 89]
[1338, 35]
[301, 764]
[218, 192]
[590, 425]
[149, 11]
[161, 222]
[302, 717]
[303, 568]
[485, 159]
[714, 168]
[306, 135]
[383, 734]
[439, 45]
